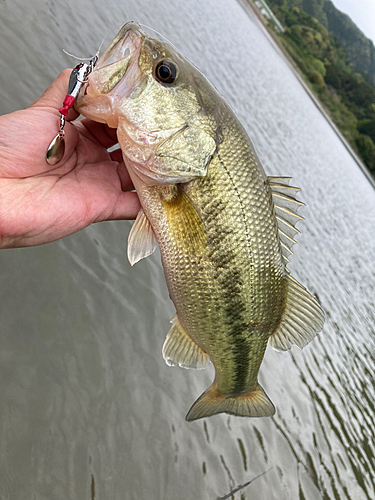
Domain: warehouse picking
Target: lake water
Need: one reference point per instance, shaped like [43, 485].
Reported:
[89, 409]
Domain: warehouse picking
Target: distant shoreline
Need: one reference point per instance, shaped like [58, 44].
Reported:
[249, 5]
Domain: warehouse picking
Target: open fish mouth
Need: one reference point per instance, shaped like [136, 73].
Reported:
[127, 41]
[115, 77]
[119, 63]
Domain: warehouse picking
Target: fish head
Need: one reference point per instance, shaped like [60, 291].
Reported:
[157, 101]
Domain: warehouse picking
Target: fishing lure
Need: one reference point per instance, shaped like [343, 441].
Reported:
[78, 78]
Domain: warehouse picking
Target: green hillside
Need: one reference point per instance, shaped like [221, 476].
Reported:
[358, 48]
[346, 92]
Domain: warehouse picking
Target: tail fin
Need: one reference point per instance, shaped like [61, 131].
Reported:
[254, 404]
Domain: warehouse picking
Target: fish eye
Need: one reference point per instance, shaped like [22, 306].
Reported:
[166, 71]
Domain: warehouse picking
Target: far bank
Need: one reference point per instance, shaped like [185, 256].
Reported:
[250, 7]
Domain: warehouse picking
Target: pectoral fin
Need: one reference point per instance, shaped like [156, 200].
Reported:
[141, 241]
[180, 349]
[211, 402]
[303, 318]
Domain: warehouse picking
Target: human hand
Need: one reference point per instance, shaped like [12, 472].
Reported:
[40, 203]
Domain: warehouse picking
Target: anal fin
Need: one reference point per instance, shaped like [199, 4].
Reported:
[180, 349]
[303, 318]
[254, 404]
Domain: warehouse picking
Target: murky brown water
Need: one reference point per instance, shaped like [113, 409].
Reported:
[88, 407]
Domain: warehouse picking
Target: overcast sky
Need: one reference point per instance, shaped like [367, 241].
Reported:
[362, 12]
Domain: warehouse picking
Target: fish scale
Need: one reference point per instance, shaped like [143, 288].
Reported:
[224, 228]
[237, 244]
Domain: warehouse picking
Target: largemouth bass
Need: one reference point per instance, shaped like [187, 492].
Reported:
[224, 228]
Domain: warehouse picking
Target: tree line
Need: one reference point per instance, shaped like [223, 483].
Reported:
[346, 93]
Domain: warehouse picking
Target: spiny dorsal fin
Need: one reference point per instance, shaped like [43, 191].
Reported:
[286, 207]
[180, 349]
[303, 318]
[141, 241]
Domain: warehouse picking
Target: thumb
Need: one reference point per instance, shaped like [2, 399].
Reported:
[54, 95]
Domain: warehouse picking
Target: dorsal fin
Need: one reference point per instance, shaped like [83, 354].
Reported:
[286, 207]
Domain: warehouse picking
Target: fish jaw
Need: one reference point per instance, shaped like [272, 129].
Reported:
[114, 78]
